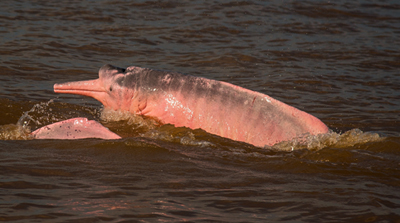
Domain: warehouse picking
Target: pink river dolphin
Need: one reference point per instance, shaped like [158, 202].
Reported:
[75, 128]
[182, 100]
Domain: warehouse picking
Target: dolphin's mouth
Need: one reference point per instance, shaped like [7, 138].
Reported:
[57, 89]
[91, 88]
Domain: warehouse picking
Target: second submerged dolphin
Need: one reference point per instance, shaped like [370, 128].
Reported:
[75, 128]
[186, 101]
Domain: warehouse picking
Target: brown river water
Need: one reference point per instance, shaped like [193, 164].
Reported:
[337, 60]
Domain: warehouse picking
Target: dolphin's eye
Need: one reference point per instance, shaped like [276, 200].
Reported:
[111, 88]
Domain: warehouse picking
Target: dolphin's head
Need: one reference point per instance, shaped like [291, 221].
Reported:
[109, 88]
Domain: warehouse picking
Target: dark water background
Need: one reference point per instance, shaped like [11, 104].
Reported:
[337, 60]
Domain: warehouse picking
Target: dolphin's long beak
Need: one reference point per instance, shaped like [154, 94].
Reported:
[91, 88]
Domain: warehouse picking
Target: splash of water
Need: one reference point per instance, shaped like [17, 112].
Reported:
[109, 115]
[25, 119]
[14, 132]
[331, 139]
[22, 129]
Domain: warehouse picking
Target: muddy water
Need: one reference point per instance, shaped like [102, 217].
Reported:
[337, 60]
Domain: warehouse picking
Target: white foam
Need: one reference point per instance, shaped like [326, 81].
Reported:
[331, 139]
[15, 132]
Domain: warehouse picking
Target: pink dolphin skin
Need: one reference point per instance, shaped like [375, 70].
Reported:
[76, 128]
[182, 100]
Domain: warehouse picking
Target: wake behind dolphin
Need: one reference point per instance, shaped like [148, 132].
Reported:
[186, 101]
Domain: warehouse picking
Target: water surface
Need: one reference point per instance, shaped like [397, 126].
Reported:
[338, 61]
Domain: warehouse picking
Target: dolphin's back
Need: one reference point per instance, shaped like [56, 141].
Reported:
[223, 109]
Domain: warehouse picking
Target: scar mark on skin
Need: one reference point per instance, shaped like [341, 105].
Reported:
[252, 103]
